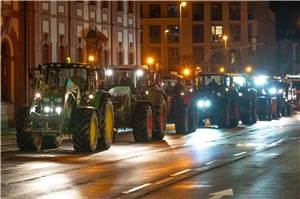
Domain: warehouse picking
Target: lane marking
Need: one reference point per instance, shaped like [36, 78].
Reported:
[238, 154]
[180, 172]
[136, 188]
[209, 163]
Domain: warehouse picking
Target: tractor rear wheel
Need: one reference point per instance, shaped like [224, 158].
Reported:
[193, 118]
[142, 123]
[224, 116]
[106, 126]
[160, 121]
[26, 141]
[84, 127]
[181, 120]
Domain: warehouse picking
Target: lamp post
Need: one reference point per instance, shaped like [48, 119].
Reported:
[225, 38]
[166, 50]
[181, 5]
[150, 62]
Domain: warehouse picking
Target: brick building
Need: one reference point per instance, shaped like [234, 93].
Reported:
[192, 35]
[35, 33]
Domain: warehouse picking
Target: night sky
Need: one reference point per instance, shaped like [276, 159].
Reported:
[287, 19]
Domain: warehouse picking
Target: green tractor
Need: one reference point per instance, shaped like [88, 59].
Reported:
[139, 103]
[68, 100]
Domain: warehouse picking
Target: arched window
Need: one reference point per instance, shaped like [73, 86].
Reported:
[61, 53]
[46, 50]
[79, 54]
[120, 58]
[106, 57]
[131, 58]
[5, 72]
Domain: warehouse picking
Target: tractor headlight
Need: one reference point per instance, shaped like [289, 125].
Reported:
[260, 80]
[280, 91]
[139, 73]
[240, 94]
[203, 103]
[47, 109]
[272, 91]
[109, 72]
[91, 96]
[58, 110]
[182, 93]
[37, 95]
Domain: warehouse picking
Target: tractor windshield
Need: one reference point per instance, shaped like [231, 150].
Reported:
[213, 80]
[56, 77]
[129, 77]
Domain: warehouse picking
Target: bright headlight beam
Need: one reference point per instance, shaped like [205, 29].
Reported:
[109, 72]
[58, 110]
[46, 109]
[272, 91]
[38, 95]
[139, 73]
[260, 80]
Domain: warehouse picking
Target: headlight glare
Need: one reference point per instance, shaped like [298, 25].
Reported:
[46, 109]
[272, 91]
[58, 110]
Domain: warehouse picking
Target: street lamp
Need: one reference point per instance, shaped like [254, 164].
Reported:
[150, 61]
[222, 70]
[181, 5]
[225, 38]
[91, 58]
[186, 72]
[248, 69]
[166, 49]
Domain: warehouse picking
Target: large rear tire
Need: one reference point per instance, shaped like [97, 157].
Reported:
[26, 141]
[224, 116]
[181, 120]
[193, 118]
[106, 126]
[160, 121]
[142, 123]
[84, 127]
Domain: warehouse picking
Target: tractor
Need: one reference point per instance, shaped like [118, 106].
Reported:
[285, 95]
[68, 99]
[217, 100]
[180, 97]
[138, 101]
[267, 102]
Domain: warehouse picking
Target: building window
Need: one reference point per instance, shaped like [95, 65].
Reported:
[173, 56]
[130, 7]
[250, 32]
[235, 11]
[5, 72]
[104, 4]
[131, 58]
[234, 56]
[173, 35]
[251, 10]
[198, 14]
[154, 11]
[173, 10]
[46, 56]
[198, 33]
[106, 57]
[154, 34]
[217, 56]
[120, 6]
[216, 11]
[216, 33]
[93, 3]
[120, 58]
[155, 52]
[235, 32]
[198, 55]
[61, 50]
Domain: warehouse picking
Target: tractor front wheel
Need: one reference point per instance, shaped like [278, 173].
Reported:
[106, 126]
[26, 141]
[160, 121]
[142, 123]
[84, 127]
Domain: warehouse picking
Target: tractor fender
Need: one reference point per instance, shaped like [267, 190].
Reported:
[156, 97]
[100, 99]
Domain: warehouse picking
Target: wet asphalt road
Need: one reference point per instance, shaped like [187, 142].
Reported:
[246, 162]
